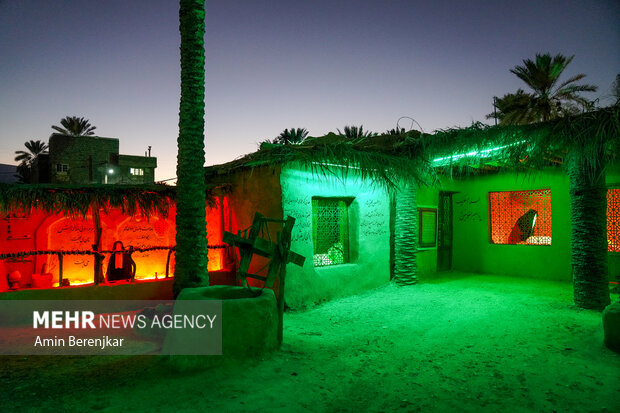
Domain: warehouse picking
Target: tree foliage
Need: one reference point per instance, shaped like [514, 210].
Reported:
[395, 131]
[549, 97]
[355, 132]
[291, 137]
[27, 158]
[75, 126]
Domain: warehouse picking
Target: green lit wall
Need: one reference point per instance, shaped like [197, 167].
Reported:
[369, 217]
[472, 251]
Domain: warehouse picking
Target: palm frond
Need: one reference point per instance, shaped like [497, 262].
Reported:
[78, 201]
[383, 159]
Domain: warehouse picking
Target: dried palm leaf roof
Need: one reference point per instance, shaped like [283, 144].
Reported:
[387, 158]
[529, 146]
[79, 200]
[383, 159]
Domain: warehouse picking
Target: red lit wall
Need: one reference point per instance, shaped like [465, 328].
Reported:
[55, 232]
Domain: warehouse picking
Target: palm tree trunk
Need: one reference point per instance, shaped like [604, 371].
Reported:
[406, 235]
[588, 207]
[191, 235]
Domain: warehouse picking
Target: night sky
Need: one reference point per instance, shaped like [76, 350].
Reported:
[270, 65]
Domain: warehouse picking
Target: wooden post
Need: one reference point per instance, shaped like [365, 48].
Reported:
[60, 259]
[168, 262]
[281, 304]
[97, 247]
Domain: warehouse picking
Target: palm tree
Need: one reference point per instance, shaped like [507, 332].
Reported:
[585, 167]
[353, 132]
[74, 126]
[293, 136]
[26, 158]
[405, 234]
[191, 236]
[512, 109]
[34, 149]
[588, 209]
[548, 99]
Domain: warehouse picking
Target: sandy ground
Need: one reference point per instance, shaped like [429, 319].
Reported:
[460, 343]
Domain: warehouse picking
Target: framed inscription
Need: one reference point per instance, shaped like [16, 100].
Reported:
[427, 225]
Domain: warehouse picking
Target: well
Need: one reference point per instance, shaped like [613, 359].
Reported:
[249, 321]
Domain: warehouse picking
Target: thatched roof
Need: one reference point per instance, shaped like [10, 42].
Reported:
[386, 158]
[78, 200]
[528, 146]
[383, 159]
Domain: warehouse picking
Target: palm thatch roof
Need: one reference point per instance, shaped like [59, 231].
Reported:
[382, 159]
[419, 157]
[79, 200]
[529, 146]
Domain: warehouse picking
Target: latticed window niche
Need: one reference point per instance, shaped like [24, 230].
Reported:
[330, 231]
[520, 217]
[613, 220]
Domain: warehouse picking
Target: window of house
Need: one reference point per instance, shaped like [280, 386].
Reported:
[136, 171]
[427, 226]
[613, 220]
[62, 168]
[330, 231]
[520, 217]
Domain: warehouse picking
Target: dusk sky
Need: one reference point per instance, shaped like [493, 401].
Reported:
[270, 65]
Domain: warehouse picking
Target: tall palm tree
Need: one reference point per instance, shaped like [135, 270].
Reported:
[588, 209]
[74, 126]
[585, 166]
[405, 234]
[26, 158]
[354, 132]
[191, 236]
[292, 136]
[549, 98]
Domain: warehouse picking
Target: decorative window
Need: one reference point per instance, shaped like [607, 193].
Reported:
[427, 225]
[62, 168]
[136, 171]
[520, 217]
[330, 231]
[613, 220]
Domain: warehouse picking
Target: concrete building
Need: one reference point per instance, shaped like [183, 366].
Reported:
[91, 160]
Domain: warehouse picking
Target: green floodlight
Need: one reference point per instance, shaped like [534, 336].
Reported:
[481, 154]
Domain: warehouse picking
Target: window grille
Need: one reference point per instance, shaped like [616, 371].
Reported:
[613, 220]
[62, 168]
[520, 217]
[136, 171]
[330, 231]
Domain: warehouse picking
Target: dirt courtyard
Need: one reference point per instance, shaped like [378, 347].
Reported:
[460, 343]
